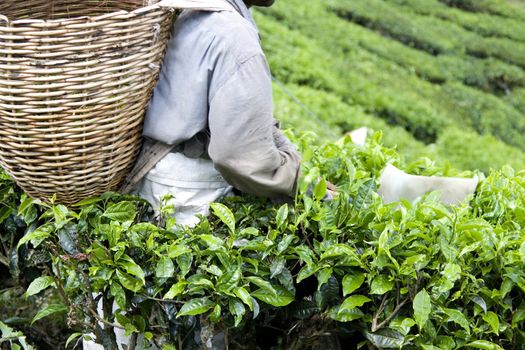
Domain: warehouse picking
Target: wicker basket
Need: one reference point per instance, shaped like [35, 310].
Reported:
[75, 80]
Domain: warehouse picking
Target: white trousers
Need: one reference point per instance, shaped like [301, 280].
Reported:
[193, 184]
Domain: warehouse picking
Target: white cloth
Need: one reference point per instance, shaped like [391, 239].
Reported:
[193, 184]
[395, 185]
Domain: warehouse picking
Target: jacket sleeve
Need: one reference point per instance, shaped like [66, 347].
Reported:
[245, 145]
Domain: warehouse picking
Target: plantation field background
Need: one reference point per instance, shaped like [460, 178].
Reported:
[442, 79]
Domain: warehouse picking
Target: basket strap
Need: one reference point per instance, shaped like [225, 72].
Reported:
[149, 156]
[204, 5]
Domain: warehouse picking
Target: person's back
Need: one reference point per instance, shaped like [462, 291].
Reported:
[205, 50]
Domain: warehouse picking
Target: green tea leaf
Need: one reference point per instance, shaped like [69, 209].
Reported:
[282, 297]
[216, 314]
[8, 332]
[214, 243]
[224, 214]
[484, 344]
[352, 282]
[277, 266]
[305, 254]
[184, 262]
[119, 294]
[422, 308]
[243, 294]
[87, 201]
[347, 315]
[522, 251]
[195, 307]
[259, 282]
[176, 290]
[132, 267]
[518, 315]
[381, 285]
[60, 213]
[320, 189]
[5, 212]
[340, 250]
[129, 282]
[481, 302]
[199, 282]
[122, 211]
[459, 318]
[36, 237]
[49, 310]
[72, 337]
[305, 272]
[229, 280]
[238, 310]
[353, 302]
[452, 272]
[38, 285]
[282, 215]
[284, 243]
[165, 268]
[27, 209]
[402, 325]
[386, 339]
[493, 321]
[176, 250]
[323, 276]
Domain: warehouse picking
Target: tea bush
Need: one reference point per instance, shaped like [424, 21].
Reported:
[430, 34]
[383, 88]
[483, 24]
[496, 7]
[403, 275]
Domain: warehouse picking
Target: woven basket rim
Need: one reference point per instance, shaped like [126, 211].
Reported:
[78, 19]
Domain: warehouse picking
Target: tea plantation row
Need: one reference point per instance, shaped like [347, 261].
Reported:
[434, 98]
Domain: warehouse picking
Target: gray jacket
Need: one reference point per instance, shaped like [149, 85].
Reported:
[214, 96]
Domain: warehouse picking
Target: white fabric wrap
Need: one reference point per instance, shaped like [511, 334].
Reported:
[395, 185]
[193, 182]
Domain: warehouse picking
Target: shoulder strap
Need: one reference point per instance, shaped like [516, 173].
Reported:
[149, 156]
[204, 5]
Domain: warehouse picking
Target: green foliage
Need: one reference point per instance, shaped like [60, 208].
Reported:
[487, 74]
[291, 54]
[484, 24]
[468, 150]
[381, 89]
[461, 148]
[418, 275]
[406, 275]
[430, 34]
[14, 339]
[517, 99]
[498, 7]
[483, 113]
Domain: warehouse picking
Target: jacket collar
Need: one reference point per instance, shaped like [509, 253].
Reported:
[243, 10]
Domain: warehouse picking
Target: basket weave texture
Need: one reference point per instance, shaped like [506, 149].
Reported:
[75, 80]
